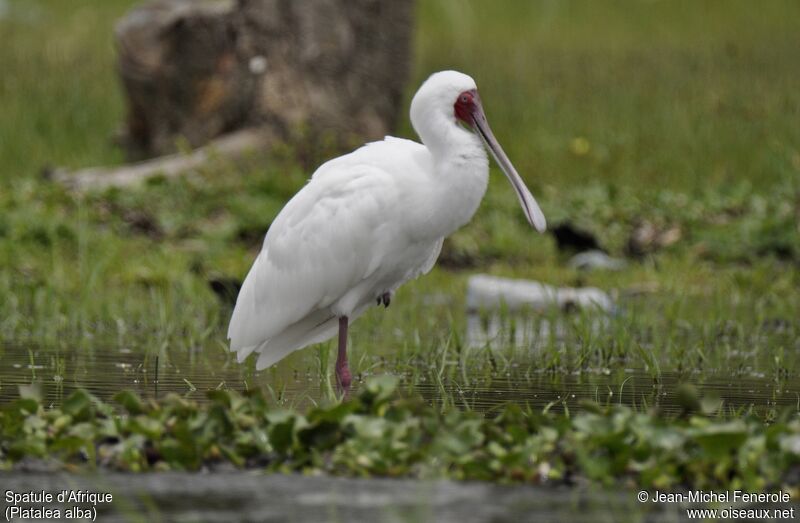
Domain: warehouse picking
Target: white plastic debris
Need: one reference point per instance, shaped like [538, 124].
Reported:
[589, 260]
[485, 292]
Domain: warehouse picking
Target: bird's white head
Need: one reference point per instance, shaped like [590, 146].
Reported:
[432, 107]
[444, 102]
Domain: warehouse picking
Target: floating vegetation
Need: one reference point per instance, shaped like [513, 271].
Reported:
[381, 433]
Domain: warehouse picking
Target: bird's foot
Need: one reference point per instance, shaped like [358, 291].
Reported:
[385, 298]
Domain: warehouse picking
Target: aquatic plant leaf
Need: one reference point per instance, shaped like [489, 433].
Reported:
[146, 426]
[24, 406]
[130, 401]
[406, 436]
[31, 391]
[221, 396]
[283, 429]
[78, 405]
[379, 389]
[333, 414]
[791, 444]
[719, 439]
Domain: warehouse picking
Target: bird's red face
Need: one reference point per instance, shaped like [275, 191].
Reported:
[468, 110]
[466, 106]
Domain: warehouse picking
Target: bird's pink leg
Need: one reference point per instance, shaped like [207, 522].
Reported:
[343, 377]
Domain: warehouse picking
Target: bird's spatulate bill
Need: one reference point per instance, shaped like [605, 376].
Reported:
[526, 199]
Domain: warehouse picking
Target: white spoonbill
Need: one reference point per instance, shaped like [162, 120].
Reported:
[366, 223]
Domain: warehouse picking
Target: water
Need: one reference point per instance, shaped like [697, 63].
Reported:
[483, 382]
[109, 368]
[546, 359]
[287, 498]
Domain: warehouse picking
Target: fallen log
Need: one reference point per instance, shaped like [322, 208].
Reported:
[230, 147]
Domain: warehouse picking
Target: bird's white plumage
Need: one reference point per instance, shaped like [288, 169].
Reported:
[364, 224]
[325, 254]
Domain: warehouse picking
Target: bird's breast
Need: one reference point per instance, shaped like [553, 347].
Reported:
[456, 194]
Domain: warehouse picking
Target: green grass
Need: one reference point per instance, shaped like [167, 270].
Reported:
[61, 101]
[684, 95]
[682, 114]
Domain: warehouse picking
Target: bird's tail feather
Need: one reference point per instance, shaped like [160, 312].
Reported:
[314, 328]
[317, 327]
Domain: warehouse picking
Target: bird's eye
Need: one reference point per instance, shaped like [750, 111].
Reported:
[464, 99]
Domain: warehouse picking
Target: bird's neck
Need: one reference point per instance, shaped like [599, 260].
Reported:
[461, 175]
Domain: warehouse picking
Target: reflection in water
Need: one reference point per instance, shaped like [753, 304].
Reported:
[234, 496]
[521, 331]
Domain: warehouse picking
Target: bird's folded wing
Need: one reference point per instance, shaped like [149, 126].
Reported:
[321, 244]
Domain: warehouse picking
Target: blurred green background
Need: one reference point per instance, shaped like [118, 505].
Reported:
[684, 94]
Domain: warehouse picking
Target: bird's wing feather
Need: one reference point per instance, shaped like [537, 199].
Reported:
[431, 261]
[315, 251]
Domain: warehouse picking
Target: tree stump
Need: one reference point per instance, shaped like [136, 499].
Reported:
[323, 70]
